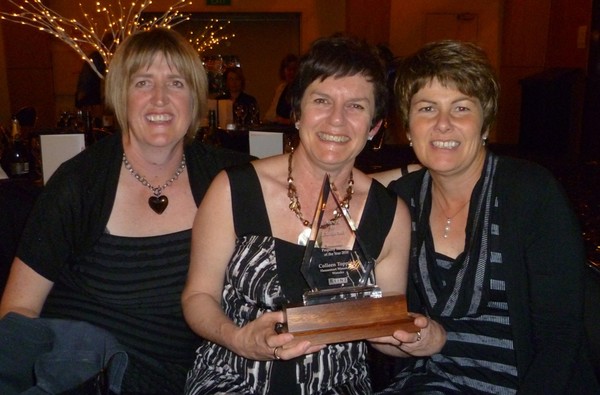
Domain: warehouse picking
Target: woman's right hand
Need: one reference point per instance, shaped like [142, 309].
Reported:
[259, 341]
[428, 340]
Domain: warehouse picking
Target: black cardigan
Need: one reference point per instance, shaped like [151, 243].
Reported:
[542, 247]
[72, 211]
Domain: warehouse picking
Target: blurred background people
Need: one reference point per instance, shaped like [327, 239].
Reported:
[108, 239]
[245, 106]
[280, 110]
[89, 95]
[496, 251]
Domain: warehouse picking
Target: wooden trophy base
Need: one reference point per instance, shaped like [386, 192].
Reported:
[348, 320]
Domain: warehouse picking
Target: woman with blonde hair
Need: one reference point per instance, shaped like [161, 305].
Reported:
[108, 240]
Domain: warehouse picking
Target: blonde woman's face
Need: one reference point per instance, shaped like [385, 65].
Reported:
[159, 104]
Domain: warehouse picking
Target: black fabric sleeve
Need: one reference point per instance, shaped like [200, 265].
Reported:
[73, 209]
[547, 266]
[75, 205]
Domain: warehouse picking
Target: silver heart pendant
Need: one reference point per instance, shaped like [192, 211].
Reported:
[158, 203]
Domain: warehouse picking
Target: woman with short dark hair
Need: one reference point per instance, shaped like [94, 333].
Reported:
[497, 256]
[241, 275]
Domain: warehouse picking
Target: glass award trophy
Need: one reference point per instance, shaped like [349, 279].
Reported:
[343, 302]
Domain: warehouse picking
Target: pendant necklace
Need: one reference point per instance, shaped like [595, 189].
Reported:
[158, 202]
[296, 208]
[450, 218]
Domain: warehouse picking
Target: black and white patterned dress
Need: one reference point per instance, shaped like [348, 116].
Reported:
[264, 272]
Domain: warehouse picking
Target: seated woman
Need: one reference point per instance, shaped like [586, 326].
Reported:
[250, 236]
[108, 239]
[245, 106]
[497, 256]
[280, 110]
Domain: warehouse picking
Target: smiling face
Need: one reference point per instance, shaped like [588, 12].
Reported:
[445, 127]
[159, 104]
[336, 119]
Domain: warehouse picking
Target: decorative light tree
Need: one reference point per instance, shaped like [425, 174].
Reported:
[210, 36]
[116, 21]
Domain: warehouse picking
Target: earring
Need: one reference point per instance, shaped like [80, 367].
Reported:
[410, 143]
[297, 125]
[484, 141]
[370, 138]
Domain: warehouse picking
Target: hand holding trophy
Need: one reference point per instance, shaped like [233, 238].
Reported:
[344, 303]
[258, 266]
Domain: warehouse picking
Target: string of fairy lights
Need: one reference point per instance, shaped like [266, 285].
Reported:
[114, 21]
[211, 36]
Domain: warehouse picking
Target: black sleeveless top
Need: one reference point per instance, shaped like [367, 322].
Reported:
[263, 273]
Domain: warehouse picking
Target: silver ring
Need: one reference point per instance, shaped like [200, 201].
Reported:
[418, 336]
[276, 354]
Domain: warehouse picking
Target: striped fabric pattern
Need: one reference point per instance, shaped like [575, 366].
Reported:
[467, 296]
[457, 370]
[132, 287]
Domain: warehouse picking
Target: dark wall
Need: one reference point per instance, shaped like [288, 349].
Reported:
[591, 111]
[29, 70]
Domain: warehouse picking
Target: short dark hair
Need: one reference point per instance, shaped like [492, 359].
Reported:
[341, 56]
[455, 63]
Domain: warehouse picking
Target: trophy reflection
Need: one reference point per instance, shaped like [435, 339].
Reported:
[343, 302]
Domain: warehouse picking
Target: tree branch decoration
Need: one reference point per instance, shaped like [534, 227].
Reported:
[211, 36]
[115, 25]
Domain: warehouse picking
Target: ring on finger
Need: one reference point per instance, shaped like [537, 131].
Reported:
[276, 353]
[418, 336]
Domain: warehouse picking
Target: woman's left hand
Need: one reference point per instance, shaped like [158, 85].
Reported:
[428, 340]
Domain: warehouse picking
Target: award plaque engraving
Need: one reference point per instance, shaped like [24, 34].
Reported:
[343, 302]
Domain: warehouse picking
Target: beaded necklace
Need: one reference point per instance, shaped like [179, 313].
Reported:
[158, 202]
[296, 208]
